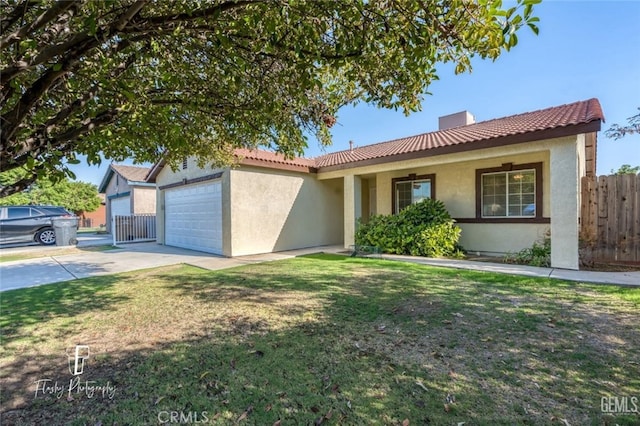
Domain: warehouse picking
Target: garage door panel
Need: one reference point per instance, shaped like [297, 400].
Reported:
[121, 206]
[193, 217]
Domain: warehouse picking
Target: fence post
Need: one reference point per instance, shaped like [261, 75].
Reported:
[113, 229]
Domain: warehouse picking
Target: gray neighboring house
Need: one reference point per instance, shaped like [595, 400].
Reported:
[127, 192]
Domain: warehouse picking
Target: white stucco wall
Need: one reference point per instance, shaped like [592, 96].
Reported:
[267, 210]
[275, 210]
[565, 205]
[352, 207]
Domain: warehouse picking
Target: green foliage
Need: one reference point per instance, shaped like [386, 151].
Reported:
[74, 196]
[626, 169]
[131, 79]
[539, 254]
[421, 229]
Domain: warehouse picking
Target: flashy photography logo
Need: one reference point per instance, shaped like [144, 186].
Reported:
[81, 354]
[76, 360]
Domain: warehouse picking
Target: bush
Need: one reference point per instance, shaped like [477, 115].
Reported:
[422, 229]
[539, 254]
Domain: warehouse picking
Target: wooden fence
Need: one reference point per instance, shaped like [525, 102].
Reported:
[610, 221]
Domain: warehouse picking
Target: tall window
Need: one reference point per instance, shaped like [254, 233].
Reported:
[509, 194]
[184, 163]
[411, 190]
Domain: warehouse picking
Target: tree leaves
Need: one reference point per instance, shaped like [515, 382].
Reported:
[188, 78]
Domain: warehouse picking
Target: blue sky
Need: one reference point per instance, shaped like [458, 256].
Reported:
[585, 49]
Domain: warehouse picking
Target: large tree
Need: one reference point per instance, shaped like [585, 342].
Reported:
[143, 78]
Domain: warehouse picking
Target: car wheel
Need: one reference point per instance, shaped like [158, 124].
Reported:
[46, 236]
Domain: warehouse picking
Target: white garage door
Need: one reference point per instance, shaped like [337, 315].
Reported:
[193, 217]
[121, 206]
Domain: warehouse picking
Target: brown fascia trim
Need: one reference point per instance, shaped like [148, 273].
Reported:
[556, 132]
[278, 166]
[184, 182]
[155, 171]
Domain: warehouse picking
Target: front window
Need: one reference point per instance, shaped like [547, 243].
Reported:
[409, 192]
[509, 194]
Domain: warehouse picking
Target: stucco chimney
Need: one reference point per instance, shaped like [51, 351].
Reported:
[350, 145]
[458, 119]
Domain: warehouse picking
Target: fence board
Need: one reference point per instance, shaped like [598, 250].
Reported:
[610, 218]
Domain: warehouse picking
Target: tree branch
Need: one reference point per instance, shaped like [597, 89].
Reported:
[12, 119]
[18, 12]
[202, 13]
[42, 20]
[126, 17]
[20, 185]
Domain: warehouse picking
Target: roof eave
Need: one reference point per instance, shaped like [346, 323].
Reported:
[278, 166]
[155, 171]
[102, 188]
[557, 132]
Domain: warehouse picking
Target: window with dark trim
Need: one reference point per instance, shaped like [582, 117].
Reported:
[510, 193]
[184, 163]
[412, 189]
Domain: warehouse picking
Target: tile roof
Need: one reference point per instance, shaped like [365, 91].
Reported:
[131, 173]
[568, 119]
[466, 137]
[273, 158]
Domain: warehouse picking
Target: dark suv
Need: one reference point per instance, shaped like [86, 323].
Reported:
[29, 223]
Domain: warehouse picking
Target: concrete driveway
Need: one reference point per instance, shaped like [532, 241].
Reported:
[55, 268]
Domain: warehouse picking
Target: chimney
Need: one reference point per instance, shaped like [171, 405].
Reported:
[458, 119]
[350, 145]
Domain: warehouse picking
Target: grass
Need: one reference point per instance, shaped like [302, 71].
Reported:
[322, 340]
[10, 257]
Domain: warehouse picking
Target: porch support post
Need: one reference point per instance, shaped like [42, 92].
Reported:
[565, 205]
[352, 207]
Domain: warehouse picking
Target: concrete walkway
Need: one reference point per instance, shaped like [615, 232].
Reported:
[619, 278]
[64, 267]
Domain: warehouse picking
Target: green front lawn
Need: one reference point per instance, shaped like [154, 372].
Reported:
[321, 339]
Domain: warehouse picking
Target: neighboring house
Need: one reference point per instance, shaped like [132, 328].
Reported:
[506, 181]
[127, 191]
[97, 217]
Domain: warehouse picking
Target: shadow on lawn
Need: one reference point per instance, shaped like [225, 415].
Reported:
[357, 339]
[34, 305]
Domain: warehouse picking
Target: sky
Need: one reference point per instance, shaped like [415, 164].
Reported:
[585, 49]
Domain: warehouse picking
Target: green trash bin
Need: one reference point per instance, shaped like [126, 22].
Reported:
[66, 229]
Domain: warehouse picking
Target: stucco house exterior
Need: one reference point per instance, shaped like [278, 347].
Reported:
[506, 181]
[127, 191]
